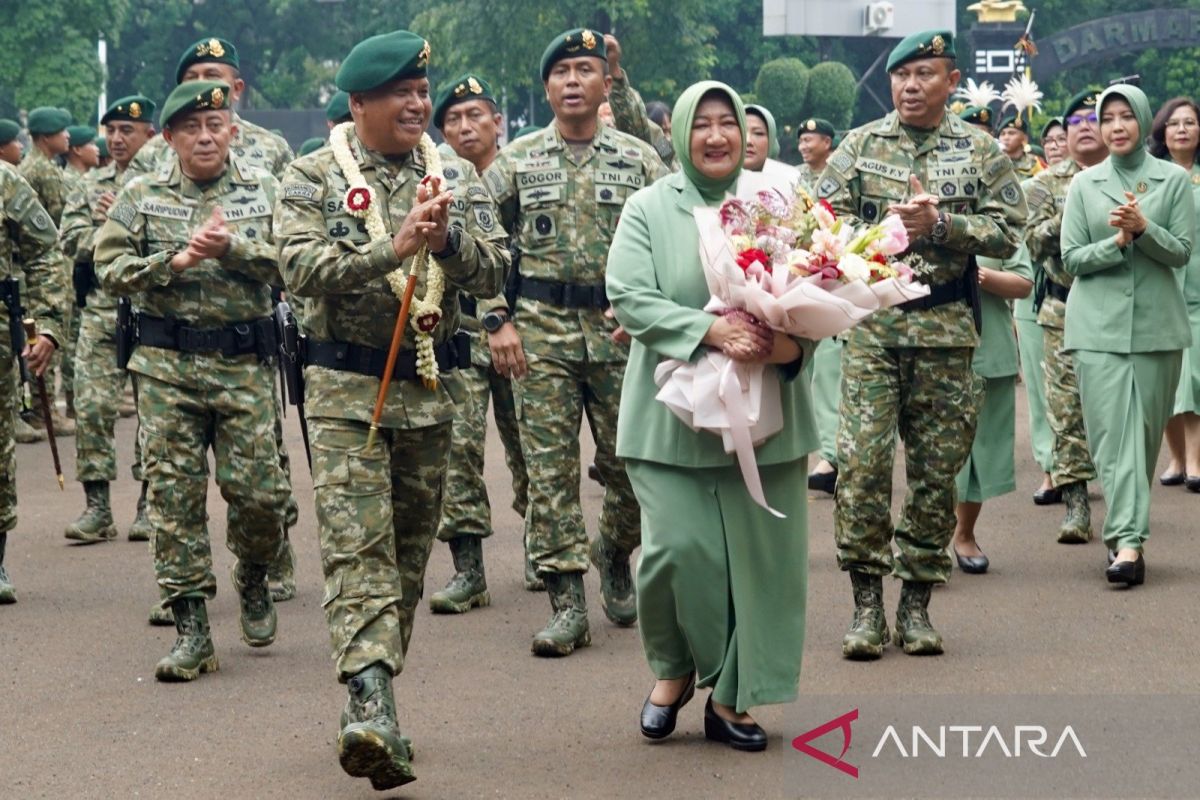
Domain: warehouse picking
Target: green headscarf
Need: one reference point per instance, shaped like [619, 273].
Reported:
[772, 131]
[682, 118]
[1129, 167]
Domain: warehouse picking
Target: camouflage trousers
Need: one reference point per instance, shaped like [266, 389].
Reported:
[929, 396]
[63, 361]
[8, 448]
[99, 387]
[1070, 459]
[467, 511]
[377, 514]
[550, 402]
[178, 426]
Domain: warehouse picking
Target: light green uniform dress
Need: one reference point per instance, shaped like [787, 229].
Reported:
[1126, 323]
[1031, 347]
[990, 470]
[1187, 396]
[721, 582]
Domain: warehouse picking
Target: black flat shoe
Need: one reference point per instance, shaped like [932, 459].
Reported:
[823, 481]
[1047, 497]
[658, 722]
[1130, 573]
[1193, 483]
[1112, 556]
[748, 738]
[972, 565]
[594, 474]
[1174, 479]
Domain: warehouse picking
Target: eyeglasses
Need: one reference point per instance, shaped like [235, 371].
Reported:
[1076, 119]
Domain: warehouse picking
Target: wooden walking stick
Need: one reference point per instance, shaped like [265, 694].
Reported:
[40, 380]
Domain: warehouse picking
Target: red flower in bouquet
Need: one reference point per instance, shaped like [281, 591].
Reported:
[358, 199]
[751, 255]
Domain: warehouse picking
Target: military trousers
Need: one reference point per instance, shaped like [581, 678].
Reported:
[8, 449]
[1032, 347]
[827, 394]
[377, 515]
[99, 389]
[467, 511]
[229, 409]
[928, 396]
[68, 357]
[550, 401]
[1070, 460]
[1127, 400]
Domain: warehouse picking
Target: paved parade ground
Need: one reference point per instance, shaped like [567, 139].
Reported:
[81, 715]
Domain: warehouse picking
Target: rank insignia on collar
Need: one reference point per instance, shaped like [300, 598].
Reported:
[589, 40]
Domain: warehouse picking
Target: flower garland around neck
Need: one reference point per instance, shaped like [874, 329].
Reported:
[361, 202]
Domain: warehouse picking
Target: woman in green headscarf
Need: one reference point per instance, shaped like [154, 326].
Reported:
[1129, 224]
[721, 582]
[762, 146]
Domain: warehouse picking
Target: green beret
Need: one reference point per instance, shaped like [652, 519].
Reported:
[1085, 99]
[218, 51]
[9, 130]
[194, 96]
[1014, 121]
[47, 119]
[81, 135]
[102, 146]
[528, 129]
[1037, 151]
[468, 87]
[927, 44]
[134, 108]
[572, 44]
[379, 59]
[315, 143]
[976, 115]
[816, 125]
[338, 107]
[1050, 123]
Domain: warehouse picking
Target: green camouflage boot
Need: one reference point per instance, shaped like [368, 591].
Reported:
[24, 433]
[95, 524]
[616, 582]
[869, 631]
[568, 627]
[1076, 526]
[913, 629]
[468, 587]
[281, 575]
[193, 652]
[139, 531]
[258, 612]
[532, 582]
[369, 744]
[8, 592]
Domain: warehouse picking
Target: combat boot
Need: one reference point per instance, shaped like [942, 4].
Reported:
[568, 628]
[616, 582]
[869, 631]
[193, 652]
[24, 433]
[370, 744]
[468, 588]
[281, 575]
[140, 530]
[913, 629]
[95, 524]
[1076, 526]
[533, 583]
[8, 592]
[258, 612]
[62, 425]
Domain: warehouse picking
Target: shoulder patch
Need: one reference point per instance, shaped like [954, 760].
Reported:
[997, 166]
[495, 181]
[304, 191]
[1010, 193]
[1036, 195]
[842, 162]
[484, 217]
[124, 213]
[477, 194]
[41, 220]
[828, 186]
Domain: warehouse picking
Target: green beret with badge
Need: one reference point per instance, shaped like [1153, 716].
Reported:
[47, 120]
[1015, 121]
[81, 135]
[194, 96]
[816, 125]
[210, 50]
[927, 44]
[9, 130]
[387, 57]
[1050, 123]
[102, 146]
[573, 44]
[338, 107]
[1085, 99]
[467, 87]
[134, 108]
[315, 143]
[977, 115]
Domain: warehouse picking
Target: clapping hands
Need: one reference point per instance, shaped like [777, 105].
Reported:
[427, 223]
[1128, 220]
[211, 240]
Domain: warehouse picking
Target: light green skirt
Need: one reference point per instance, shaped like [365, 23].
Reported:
[990, 470]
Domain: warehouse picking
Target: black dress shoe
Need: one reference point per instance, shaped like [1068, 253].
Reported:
[823, 481]
[1173, 479]
[1193, 483]
[1130, 573]
[972, 565]
[749, 738]
[658, 722]
[1112, 556]
[1047, 497]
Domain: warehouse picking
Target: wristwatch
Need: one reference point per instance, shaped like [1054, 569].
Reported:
[453, 240]
[493, 321]
[941, 228]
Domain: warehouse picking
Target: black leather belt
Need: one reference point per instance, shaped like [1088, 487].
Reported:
[939, 295]
[1056, 291]
[567, 295]
[454, 353]
[241, 338]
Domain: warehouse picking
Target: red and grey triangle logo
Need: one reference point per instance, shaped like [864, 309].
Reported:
[801, 743]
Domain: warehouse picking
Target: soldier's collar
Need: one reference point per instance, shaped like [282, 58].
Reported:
[950, 126]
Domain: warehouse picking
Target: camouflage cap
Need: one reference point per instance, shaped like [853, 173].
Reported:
[134, 108]
[977, 115]
[210, 49]
[102, 146]
[1084, 99]
[47, 120]
[315, 143]
[1013, 121]
[194, 96]
[9, 130]
[468, 87]
[81, 135]
[338, 107]
[573, 44]
[816, 125]
[926, 44]
[379, 59]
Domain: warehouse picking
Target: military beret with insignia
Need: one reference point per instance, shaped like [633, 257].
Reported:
[315, 143]
[1084, 99]
[1013, 121]
[81, 135]
[194, 96]
[338, 107]
[573, 44]
[379, 59]
[467, 87]
[208, 50]
[47, 120]
[976, 115]
[816, 125]
[102, 146]
[9, 130]
[134, 108]
[927, 44]
[1050, 123]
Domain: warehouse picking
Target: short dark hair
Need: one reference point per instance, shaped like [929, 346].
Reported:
[658, 112]
[1158, 128]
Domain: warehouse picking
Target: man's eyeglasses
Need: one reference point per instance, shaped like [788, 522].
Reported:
[1077, 119]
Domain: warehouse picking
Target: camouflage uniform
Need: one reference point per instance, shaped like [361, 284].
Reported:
[911, 370]
[377, 510]
[629, 116]
[807, 176]
[1071, 461]
[253, 146]
[192, 400]
[1028, 165]
[561, 209]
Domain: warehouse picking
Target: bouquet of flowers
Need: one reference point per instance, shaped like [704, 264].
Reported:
[791, 264]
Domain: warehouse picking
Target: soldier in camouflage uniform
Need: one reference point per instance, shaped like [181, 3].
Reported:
[99, 381]
[815, 143]
[1014, 140]
[560, 194]
[628, 110]
[10, 145]
[465, 113]
[193, 249]
[28, 248]
[378, 506]
[1071, 462]
[909, 368]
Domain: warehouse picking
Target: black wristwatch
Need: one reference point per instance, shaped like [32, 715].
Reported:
[493, 321]
[941, 228]
[453, 240]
